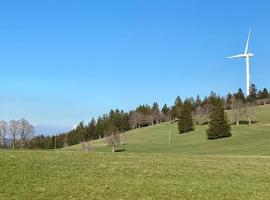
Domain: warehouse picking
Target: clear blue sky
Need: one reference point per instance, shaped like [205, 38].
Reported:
[66, 61]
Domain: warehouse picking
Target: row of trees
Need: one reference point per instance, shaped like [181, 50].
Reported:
[110, 125]
[20, 131]
[114, 123]
[213, 108]
[218, 126]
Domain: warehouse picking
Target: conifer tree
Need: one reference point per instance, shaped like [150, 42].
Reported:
[198, 101]
[185, 123]
[91, 130]
[155, 113]
[253, 93]
[176, 109]
[218, 126]
[100, 128]
[240, 95]
[263, 94]
[165, 110]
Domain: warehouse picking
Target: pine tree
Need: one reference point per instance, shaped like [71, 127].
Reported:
[228, 100]
[240, 95]
[185, 123]
[198, 101]
[100, 128]
[264, 94]
[218, 126]
[176, 109]
[91, 130]
[165, 110]
[253, 93]
[155, 113]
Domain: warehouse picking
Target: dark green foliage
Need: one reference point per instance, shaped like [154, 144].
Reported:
[91, 131]
[218, 126]
[176, 109]
[253, 94]
[263, 94]
[144, 109]
[40, 142]
[155, 112]
[198, 101]
[165, 110]
[228, 100]
[144, 115]
[185, 123]
[100, 128]
[239, 95]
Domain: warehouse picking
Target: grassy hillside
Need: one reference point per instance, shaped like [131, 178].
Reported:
[79, 175]
[262, 114]
[246, 140]
[148, 167]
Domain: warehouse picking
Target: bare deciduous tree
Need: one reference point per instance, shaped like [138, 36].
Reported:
[113, 138]
[137, 119]
[3, 131]
[206, 110]
[13, 128]
[148, 119]
[237, 107]
[196, 115]
[249, 112]
[86, 146]
[26, 131]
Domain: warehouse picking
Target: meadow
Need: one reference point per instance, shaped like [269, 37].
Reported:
[246, 140]
[79, 175]
[146, 166]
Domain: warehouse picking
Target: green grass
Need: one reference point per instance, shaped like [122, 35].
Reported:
[246, 140]
[262, 114]
[79, 175]
[147, 167]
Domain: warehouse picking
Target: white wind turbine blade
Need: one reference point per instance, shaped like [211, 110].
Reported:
[246, 50]
[236, 56]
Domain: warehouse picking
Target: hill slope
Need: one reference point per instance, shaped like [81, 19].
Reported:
[246, 140]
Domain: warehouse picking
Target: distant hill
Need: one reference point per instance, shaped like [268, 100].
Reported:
[246, 140]
[50, 130]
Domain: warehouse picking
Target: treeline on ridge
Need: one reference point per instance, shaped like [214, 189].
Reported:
[117, 121]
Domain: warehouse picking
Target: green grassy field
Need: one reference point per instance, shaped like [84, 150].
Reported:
[147, 167]
[79, 175]
[246, 140]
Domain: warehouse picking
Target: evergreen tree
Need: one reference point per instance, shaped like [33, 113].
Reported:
[253, 93]
[80, 133]
[125, 126]
[91, 131]
[263, 94]
[156, 113]
[185, 123]
[198, 101]
[176, 109]
[228, 100]
[240, 95]
[100, 128]
[218, 126]
[165, 110]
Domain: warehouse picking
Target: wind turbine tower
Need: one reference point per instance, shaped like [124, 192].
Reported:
[246, 55]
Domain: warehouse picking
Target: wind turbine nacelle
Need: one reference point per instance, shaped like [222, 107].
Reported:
[249, 55]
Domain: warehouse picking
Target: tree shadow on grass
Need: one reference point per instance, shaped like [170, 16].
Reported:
[244, 122]
[119, 150]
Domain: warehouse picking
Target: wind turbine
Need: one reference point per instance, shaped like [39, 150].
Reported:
[246, 55]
